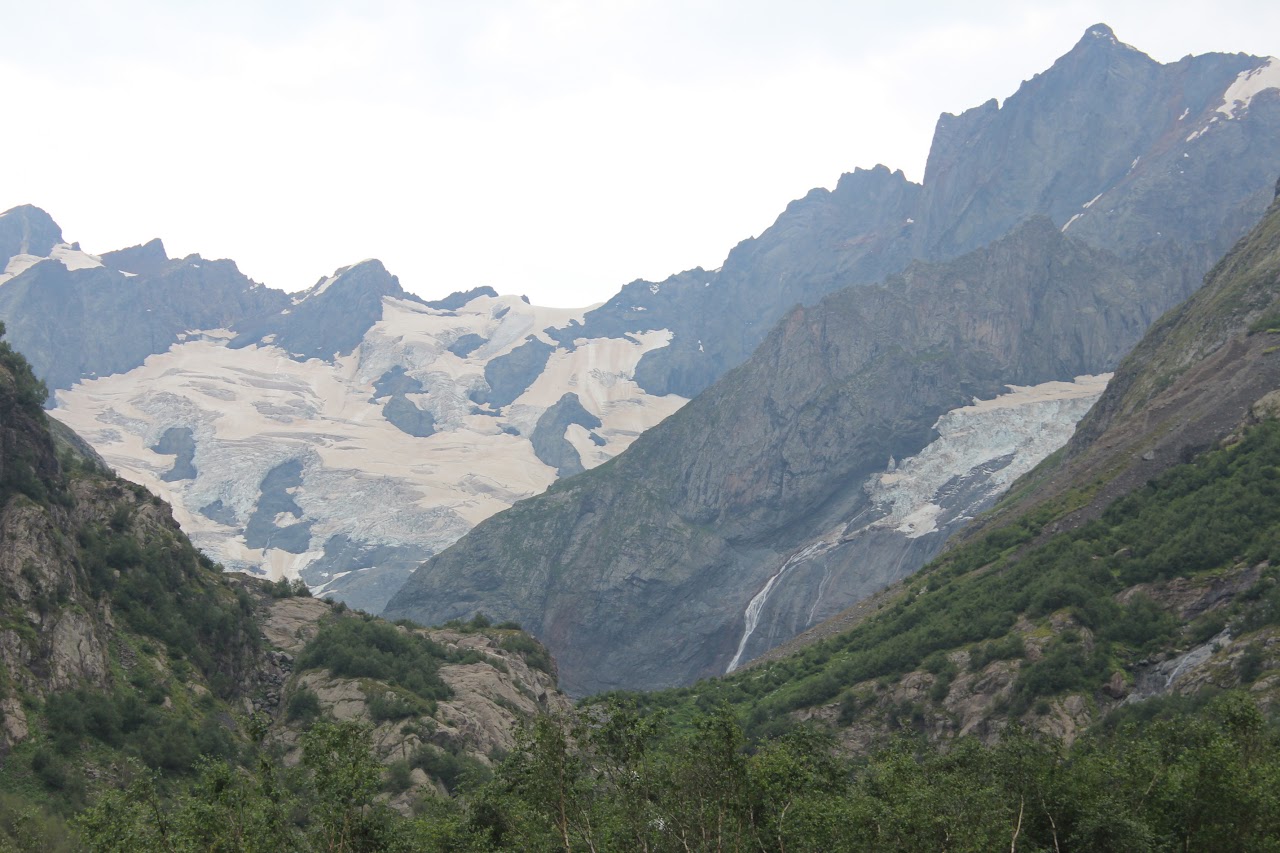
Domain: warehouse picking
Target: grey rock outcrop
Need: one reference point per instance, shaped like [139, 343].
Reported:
[1128, 154]
[331, 318]
[548, 439]
[146, 259]
[82, 323]
[27, 230]
[509, 375]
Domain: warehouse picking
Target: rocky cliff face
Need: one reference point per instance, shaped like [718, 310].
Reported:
[914, 506]
[94, 576]
[1204, 370]
[640, 573]
[74, 315]
[498, 681]
[1168, 162]
[1191, 411]
[753, 487]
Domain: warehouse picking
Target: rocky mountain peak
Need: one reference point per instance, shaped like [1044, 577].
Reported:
[27, 230]
[332, 316]
[1099, 31]
[1100, 39]
[458, 298]
[359, 281]
[145, 259]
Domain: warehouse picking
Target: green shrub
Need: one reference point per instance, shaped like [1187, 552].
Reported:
[365, 647]
[303, 706]
[533, 652]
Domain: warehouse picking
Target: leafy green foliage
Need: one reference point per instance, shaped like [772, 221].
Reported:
[456, 770]
[328, 803]
[362, 646]
[30, 392]
[27, 827]
[23, 396]
[617, 780]
[125, 721]
[303, 706]
[533, 652]
[285, 588]
[163, 588]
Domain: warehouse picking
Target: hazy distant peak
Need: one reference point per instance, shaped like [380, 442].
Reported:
[144, 259]
[368, 275]
[27, 230]
[1101, 37]
[458, 298]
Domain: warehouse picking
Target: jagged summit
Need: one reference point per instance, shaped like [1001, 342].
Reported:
[331, 317]
[27, 230]
[1102, 37]
[368, 275]
[145, 259]
[458, 298]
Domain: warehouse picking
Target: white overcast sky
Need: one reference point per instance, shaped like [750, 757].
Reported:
[557, 149]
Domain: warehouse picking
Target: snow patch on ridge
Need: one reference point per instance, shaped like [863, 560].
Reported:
[63, 253]
[1247, 85]
[74, 259]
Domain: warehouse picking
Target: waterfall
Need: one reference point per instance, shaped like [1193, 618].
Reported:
[751, 617]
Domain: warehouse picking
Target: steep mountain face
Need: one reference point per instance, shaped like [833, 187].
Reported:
[27, 230]
[75, 315]
[855, 233]
[1105, 143]
[1169, 162]
[914, 506]
[91, 568]
[1138, 564]
[1200, 374]
[331, 318]
[357, 432]
[1110, 144]
[641, 573]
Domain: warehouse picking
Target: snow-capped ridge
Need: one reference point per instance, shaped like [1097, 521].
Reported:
[1247, 85]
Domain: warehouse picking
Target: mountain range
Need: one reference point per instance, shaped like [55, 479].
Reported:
[346, 433]
[1004, 481]
[751, 514]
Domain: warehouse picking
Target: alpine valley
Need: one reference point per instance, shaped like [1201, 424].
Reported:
[1054, 229]
[948, 336]
[940, 516]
